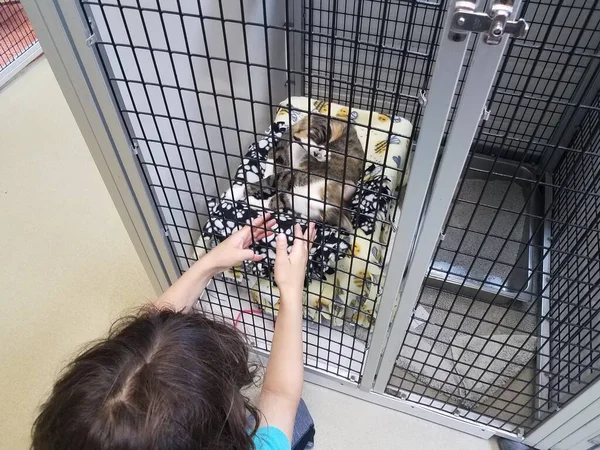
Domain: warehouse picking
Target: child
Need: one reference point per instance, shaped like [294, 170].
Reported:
[170, 379]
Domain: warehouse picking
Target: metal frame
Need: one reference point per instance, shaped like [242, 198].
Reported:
[484, 64]
[296, 46]
[543, 359]
[439, 102]
[564, 423]
[60, 29]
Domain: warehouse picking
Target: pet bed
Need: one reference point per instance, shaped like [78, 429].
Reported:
[334, 296]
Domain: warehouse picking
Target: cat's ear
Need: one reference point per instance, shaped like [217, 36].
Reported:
[336, 130]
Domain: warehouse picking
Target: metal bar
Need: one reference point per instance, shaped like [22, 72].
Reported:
[295, 49]
[93, 110]
[543, 358]
[576, 410]
[485, 63]
[570, 436]
[445, 77]
[19, 63]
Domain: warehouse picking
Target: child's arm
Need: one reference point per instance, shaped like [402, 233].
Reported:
[182, 294]
[282, 388]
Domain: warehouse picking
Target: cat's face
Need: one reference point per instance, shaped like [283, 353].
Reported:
[319, 134]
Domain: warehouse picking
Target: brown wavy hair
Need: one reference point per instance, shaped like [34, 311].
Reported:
[160, 380]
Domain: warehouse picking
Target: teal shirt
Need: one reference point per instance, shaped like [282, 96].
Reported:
[271, 438]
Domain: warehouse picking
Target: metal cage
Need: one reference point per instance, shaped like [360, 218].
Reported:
[504, 328]
[18, 43]
[477, 308]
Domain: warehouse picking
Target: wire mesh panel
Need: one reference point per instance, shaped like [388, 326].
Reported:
[574, 263]
[16, 34]
[208, 89]
[505, 327]
[384, 49]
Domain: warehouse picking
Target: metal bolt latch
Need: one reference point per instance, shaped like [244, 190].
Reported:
[494, 25]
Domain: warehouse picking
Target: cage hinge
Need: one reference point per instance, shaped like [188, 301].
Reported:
[135, 148]
[166, 231]
[485, 114]
[493, 24]
[422, 98]
[91, 40]
[442, 237]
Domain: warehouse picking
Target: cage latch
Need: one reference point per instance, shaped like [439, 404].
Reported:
[91, 40]
[494, 25]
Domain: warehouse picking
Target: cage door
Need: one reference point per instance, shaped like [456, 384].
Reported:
[498, 321]
[471, 109]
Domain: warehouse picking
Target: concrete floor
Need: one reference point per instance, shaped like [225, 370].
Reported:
[69, 270]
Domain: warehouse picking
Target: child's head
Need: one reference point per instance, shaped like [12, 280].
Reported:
[161, 380]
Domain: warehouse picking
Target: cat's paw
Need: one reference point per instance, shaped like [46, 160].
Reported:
[320, 154]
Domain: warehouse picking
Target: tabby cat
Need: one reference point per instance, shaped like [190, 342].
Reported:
[333, 155]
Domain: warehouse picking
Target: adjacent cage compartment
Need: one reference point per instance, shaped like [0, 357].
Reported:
[505, 330]
[198, 83]
[16, 34]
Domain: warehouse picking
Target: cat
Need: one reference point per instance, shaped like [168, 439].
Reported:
[331, 152]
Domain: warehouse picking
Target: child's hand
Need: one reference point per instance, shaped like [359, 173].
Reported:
[290, 269]
[234, 250]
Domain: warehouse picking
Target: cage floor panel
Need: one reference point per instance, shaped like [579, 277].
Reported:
[488, 244]
[470, 353]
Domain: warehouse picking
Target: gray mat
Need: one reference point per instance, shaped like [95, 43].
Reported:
[468, 349]
[475, 243]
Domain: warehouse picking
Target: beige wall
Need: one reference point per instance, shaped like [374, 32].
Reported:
[67, 266]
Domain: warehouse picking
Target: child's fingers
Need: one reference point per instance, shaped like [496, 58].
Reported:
[261, 219]
[280, 247]
[265, 230]
[310, 234]
[261, 236]
[300, 240]
[257, 257]
[298, 236]
[258, 224]
[247, 255]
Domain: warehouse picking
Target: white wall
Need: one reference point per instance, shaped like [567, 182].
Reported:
[171, 75]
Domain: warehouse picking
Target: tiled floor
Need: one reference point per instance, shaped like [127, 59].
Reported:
[16, 34]
[69, 269]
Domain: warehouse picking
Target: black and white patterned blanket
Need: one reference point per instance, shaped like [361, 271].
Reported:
[232, 211]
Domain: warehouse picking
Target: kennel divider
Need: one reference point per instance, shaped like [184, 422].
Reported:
[75, 59]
